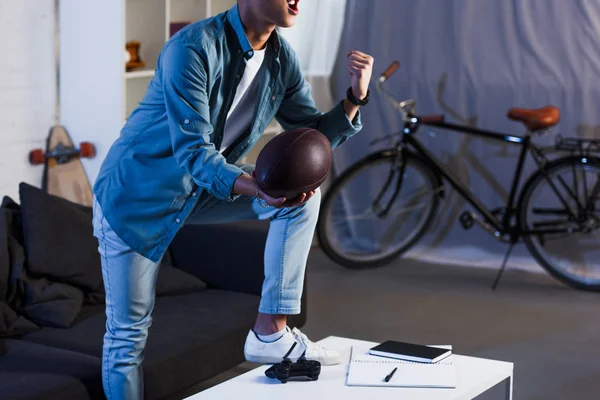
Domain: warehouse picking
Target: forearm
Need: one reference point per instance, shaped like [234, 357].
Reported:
[245, 185]
[350, 109]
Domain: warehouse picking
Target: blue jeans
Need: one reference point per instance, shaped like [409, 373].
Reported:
[129, 281]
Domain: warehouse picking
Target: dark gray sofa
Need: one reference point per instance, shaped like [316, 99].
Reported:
[196, 333]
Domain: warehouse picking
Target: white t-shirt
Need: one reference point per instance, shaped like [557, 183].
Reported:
[241, 113]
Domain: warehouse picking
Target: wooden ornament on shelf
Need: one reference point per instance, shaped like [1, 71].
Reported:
[135, 61]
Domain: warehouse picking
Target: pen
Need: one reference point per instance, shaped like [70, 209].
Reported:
[387, 378]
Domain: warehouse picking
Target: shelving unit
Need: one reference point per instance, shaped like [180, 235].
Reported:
[97, 94]
[143, 22]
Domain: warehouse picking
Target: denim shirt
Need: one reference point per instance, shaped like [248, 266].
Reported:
[167, 156]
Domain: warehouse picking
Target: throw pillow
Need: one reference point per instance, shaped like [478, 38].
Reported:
[60, 246]
[59, 240]
[50, 303]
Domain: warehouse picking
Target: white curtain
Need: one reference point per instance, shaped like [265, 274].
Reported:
[315, 39]
[495, 55]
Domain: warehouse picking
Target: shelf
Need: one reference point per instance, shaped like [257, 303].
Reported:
[146, 73]
[145, 23]
[189, 10]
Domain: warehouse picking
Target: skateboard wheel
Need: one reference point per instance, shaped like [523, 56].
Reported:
[87, 150]
[36, 157]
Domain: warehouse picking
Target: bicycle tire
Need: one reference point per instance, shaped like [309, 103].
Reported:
[529, 188]
[324, 236]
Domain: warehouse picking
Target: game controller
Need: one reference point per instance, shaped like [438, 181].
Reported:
[286, 369]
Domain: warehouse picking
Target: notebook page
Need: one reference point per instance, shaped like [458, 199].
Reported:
[369, 370]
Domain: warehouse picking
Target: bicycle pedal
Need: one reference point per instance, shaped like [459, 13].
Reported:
[467, 220]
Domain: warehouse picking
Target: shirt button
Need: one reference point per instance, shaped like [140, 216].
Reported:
[193, 194]
[273, 98]
[239, 51]
[238, 76]
[187, 121]
[178, 220]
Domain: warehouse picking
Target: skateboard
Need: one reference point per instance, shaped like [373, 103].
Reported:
[64, 175]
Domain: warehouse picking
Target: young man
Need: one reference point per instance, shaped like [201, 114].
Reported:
[218, 84]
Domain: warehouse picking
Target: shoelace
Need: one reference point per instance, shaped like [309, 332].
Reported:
[308, 344]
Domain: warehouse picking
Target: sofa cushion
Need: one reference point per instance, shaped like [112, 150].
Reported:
[30, 371]
[60, 246]
[59, 240]
[41, 301]
[172, 281]
[193, 337]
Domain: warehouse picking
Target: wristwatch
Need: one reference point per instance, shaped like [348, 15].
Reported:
[354, 100]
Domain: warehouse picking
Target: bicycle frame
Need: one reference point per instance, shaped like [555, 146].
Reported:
[411, 126]
[501, 226]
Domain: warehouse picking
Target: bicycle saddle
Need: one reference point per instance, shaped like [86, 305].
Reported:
[535, 119]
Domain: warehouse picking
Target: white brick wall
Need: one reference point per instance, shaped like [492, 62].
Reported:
[27, 88]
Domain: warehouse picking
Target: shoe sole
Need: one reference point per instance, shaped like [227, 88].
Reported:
[271, 360]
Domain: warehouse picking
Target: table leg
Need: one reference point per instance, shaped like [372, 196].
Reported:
[508, 387]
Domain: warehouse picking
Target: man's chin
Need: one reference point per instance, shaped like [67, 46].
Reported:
[287, 22]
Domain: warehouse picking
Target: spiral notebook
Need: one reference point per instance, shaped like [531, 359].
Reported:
[369, 370]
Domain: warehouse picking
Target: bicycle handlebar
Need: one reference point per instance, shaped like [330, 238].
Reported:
[426, 119]
[390, 70]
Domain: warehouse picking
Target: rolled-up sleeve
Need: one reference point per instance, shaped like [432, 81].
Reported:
[298, 108]
[184, 83]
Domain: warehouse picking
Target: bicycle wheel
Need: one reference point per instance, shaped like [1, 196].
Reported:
[561, 205]
[352, 230]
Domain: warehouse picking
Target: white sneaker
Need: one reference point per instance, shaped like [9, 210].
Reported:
[258, 351]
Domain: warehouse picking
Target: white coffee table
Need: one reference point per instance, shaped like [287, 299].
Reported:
[475, 376]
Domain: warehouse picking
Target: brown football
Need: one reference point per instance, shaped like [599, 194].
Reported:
[293, 162]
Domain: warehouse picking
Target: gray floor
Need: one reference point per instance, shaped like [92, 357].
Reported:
[550, 332]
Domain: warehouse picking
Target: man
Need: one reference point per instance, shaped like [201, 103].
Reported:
[218, 84]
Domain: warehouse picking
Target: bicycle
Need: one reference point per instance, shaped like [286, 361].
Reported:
[555, 213]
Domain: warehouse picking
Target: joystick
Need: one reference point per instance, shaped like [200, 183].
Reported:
[286, 369]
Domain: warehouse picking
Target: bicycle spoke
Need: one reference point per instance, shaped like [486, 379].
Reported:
[369, 214]
[561, 206]
[573, 169]
[585, 192]
[365, 231]
[595, 193]
[573, 196]
[391, 232]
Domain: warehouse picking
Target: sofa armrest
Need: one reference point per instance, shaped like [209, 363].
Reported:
[227, 256]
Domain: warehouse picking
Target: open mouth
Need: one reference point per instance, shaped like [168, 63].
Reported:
[293, 7]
